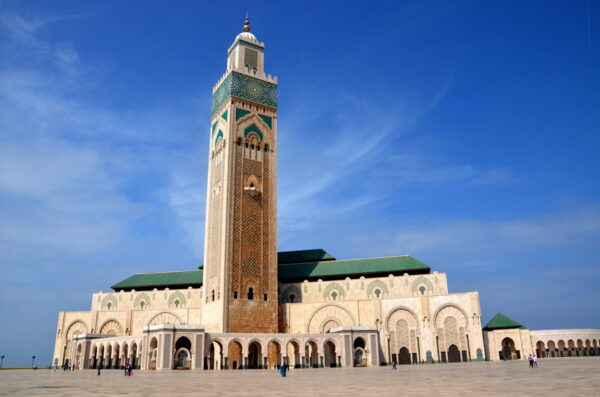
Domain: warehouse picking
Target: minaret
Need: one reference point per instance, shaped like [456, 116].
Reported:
[240, 248]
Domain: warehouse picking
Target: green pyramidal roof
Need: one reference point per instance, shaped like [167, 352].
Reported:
[500, 321]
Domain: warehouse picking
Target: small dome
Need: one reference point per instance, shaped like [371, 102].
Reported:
[246, 36]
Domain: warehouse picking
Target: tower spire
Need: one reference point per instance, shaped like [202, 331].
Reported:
[247, 24]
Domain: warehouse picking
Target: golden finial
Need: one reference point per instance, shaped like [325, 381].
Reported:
[247, 24]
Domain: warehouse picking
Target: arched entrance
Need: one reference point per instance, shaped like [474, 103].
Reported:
[215, 355]
[152, 354]
[453, 354]
[108, 357]
[404, 356]
[508, 349]
[134, 353]
[562, 348]
[94, 356]
[254, 356]
[551, 349]
[330, 354]
[273, 355]
[312, 355]
[117, 357]
[235, 355]
[183, 353]
[360, 359]
[100, 356]
[540, 349]
[293, 354]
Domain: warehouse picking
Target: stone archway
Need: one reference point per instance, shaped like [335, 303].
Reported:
[254, 355]
[358, 353]
[329, 354]
[311, 354]
[293, 354]
[453, 354]
[152, 354]
[235, 355]
[215, 355]
[273, 355]
[508, 351]
[404, 356]
[183, 354]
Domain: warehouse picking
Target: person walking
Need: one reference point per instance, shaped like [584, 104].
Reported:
[530, 359]
[100, 366]
[129, 370]
[282, 370]
[534, 360]
[393, 364]
[126, 370]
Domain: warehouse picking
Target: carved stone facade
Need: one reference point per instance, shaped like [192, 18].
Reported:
[247, 308]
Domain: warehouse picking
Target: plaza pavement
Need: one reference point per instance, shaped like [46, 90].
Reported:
[554, 377]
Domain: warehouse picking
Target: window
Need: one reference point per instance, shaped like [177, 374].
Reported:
[108, 306]
[292, 298]
[235, 295]
[334, 295]
[377, 293]
[213, 295]
[251, 58]
[177, 303]
[265, 296]
[422, 289]
[250, 293]
[142, 304]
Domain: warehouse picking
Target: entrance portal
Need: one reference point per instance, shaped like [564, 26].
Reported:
[404, 356]
[453, 354]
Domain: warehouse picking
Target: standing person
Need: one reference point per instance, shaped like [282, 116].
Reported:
[126, 369]
[530, 358]
[534, 360]
[282, 370]
[394, 364]
[100, 366]
[130, 370]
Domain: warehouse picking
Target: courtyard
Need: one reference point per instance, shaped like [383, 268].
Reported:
[560, 377]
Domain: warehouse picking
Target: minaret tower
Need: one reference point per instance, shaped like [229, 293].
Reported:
[240, 248]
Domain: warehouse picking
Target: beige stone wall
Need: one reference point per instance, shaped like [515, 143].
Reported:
[519, 344]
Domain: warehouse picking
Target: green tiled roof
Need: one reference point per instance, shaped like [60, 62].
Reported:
[500, 321]
[320, 265]
[162, 280]
[314, 255]
[334, 269]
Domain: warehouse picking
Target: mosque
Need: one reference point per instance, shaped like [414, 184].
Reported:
[250, 306]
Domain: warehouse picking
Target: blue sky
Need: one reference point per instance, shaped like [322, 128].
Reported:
[463, 133]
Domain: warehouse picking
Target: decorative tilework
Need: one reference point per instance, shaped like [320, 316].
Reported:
[268, 120]
[214, 127]
[239, 113]
[253, 128]
[225, 115]
[219, 135]
[245, 87]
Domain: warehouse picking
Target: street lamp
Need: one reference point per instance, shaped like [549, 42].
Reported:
[32, 361]
[1, 360]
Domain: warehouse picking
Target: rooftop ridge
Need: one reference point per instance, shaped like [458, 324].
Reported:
[356, 259]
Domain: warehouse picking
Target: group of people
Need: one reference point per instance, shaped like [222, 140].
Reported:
[532, 360]
[128, 370]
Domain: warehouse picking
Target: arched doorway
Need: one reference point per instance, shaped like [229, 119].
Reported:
[508, 349]
[453, 354]
[311, 353]
[183, 353]
[134, 360]
[100, 359]
[108, 357]
[235, 355]
[330, 354]
[404, 356]
[78, 358]
[215, 355]
[540, 349]
[152, 354]
[551, 348]
[273, 355]
[360, 359]
[562, 348]
[117, 357]
[254, 355]
[293, 354]
[94, 356]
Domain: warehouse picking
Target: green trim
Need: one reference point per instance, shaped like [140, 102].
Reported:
[268, 120]
[219, 135]
[244, 87]
[253, 128]
[225, 115]
[214, 127]
[239, 113]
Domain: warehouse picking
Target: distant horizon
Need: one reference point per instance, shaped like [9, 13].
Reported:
[462, 134]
